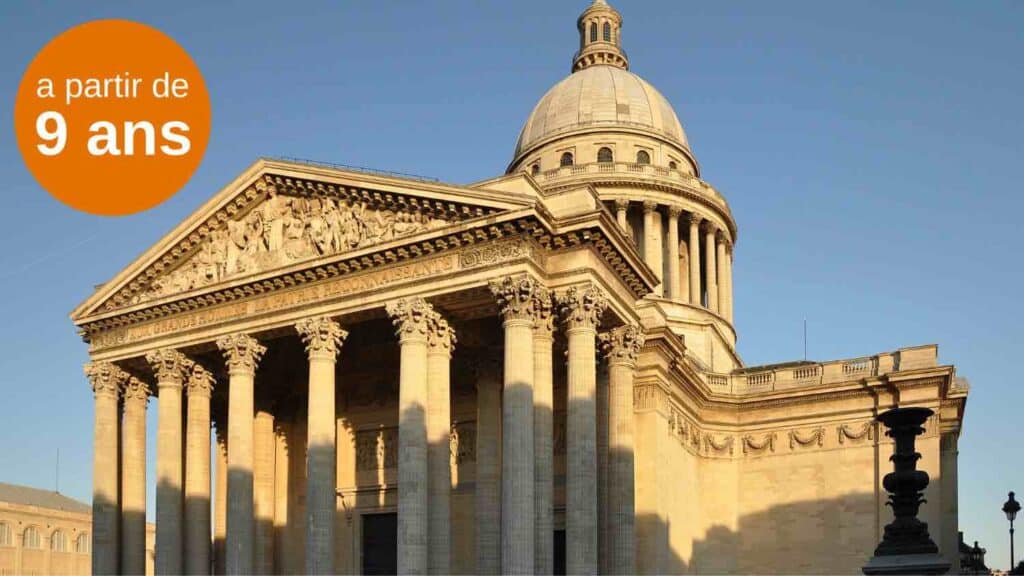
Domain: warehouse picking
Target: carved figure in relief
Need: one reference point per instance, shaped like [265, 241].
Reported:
[286, 229]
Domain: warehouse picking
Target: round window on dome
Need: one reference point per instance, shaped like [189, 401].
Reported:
[642, 157]
[604, 155]
[535, 169]
[566, 159]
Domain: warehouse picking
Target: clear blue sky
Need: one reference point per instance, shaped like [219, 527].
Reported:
[869, 150]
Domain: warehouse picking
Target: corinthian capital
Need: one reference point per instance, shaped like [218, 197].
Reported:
[411, 317]
[135, 389]
[693, 219]
[650, 206]
[322, 336]
[515, 295]
[582, 306]
[674, 210]
[105, 378]
[622, 203]
[241, 352]
[200, 382]
[169, 365]
[544, 312]
[440, 335]
[622, 345]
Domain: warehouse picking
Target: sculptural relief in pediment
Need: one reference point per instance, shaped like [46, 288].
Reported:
[281, 231]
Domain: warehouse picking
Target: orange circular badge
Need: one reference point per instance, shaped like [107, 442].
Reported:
[112, 117]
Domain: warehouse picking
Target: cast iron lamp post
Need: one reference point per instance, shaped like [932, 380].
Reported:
[1011, 507]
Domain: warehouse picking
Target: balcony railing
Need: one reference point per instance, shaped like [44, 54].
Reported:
[803, 375]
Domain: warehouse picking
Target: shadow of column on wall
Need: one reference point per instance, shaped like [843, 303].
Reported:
[834, 536]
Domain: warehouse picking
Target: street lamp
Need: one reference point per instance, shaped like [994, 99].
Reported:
[976, 559]
[1011, 507]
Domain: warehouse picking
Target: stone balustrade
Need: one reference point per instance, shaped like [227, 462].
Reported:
[759, 380]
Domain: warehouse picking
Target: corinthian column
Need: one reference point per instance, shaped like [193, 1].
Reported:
[106, 380]
[652, 242]
[133, 477]
[170, 367]
[411, 317]
[323, 338]
[242, 353]
[440, 343]
[710, 267]
[694, 260]
[622, 347]
[673, 254]
[488, 465]
[197, 472]
[581, 308]
[516, 299]
[543, 447]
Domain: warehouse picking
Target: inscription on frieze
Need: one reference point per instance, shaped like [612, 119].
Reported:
[426, 267]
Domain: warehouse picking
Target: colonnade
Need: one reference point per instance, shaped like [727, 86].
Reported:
[672, 241]
[514, 445]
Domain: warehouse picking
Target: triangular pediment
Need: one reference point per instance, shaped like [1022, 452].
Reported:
[279, 214]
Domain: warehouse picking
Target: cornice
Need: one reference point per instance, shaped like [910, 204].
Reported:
[652, 183]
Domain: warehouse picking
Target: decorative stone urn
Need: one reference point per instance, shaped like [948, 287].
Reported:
[906, 547]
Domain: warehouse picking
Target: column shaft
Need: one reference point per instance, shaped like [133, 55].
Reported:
[582, 308]
[323, 338]
[603, 517]
[517, 461]
[674, 287]
[411, 316]
[439, 427]
[220, 506]
[197, 473]
[694, 260]
[727, 264]
[622, 346]
[621, 215]
[652, 242]
[106, 380]
[242, 353]
[133, 478]
[488, 466]
[723, 282]
[264, 467]
[543, 447]
[710, 269]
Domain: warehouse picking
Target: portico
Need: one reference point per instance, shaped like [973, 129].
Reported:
[389, 377]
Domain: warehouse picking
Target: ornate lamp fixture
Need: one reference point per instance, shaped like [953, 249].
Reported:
[906, 547]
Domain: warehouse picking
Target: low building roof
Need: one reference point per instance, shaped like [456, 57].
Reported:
[27, 496]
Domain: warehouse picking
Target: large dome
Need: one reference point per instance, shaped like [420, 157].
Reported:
[601, 97]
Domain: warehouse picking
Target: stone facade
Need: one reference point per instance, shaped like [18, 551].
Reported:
[548, 352]
[44, 532]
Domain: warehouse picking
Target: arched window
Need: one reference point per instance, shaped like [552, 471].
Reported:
[605, 155]
[566, 159]
[642, 157]
[30, 538]
[535, 169]
[82, 543]
[673, 165]
[607, 32]
[593, 31]
[5, 535]
[58, 541]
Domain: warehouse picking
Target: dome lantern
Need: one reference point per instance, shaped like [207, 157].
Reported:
[600, 28]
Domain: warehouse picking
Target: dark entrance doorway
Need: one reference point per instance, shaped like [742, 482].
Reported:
[380, 543]
[559, 556]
